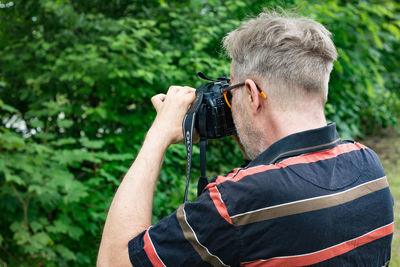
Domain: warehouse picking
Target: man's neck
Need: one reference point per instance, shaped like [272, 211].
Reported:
[282, 124]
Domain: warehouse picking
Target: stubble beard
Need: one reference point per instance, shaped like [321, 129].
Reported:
[251, 140]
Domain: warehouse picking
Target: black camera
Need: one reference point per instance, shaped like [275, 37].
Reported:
[212, 117]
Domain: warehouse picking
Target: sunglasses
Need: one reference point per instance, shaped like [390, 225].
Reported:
[228, 95]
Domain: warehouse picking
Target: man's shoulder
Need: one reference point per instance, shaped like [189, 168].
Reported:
[297, 178]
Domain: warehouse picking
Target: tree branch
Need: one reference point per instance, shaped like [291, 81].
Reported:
[24, 205]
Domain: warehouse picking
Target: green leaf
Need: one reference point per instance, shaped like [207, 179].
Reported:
[75, 191]
[58, 226]
[14, 178]
[37, 123]
[109, 177]
[95, 144]
[41, 239]
[8, 108]
[64, 141]
[36, 226]
[65, 123]
[75, 232]
[65, 253]
[11, 141]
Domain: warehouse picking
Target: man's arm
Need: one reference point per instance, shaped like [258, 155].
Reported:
[131, 209]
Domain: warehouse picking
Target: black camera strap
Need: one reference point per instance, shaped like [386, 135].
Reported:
[203, 181]
[188, 132]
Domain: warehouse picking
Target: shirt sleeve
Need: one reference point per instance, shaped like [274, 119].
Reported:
[196, 234]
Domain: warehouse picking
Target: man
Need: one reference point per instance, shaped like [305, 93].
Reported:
[305, 198]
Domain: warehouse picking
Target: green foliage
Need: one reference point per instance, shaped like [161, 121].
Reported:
[53, 195]
[76, 79]
[364, 88]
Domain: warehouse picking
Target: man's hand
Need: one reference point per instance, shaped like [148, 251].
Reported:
[171, 109]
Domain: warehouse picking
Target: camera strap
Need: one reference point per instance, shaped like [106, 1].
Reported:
[188, 132]
[203, 181]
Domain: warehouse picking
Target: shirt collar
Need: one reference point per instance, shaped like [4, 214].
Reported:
[299, 143]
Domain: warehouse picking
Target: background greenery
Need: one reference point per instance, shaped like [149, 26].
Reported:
[75, 82]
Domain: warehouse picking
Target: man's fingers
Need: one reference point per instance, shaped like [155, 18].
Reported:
[189, 93]
[158, 100]
[180, 90]
[189, 89]
[191, 96]
[184, 95]
[173, 89]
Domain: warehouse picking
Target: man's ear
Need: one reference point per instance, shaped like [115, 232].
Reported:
[254, 96]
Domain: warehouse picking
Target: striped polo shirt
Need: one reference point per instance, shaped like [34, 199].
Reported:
[309, 199]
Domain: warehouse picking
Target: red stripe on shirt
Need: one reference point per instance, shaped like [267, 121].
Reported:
[233, 172]
[302, 159]
[151, 251]
[228, 176]
[322, 255]
[219, 204]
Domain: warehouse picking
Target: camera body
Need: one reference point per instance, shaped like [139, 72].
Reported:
[214, 117]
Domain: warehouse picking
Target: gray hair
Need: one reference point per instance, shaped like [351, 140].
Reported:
[292, 54]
